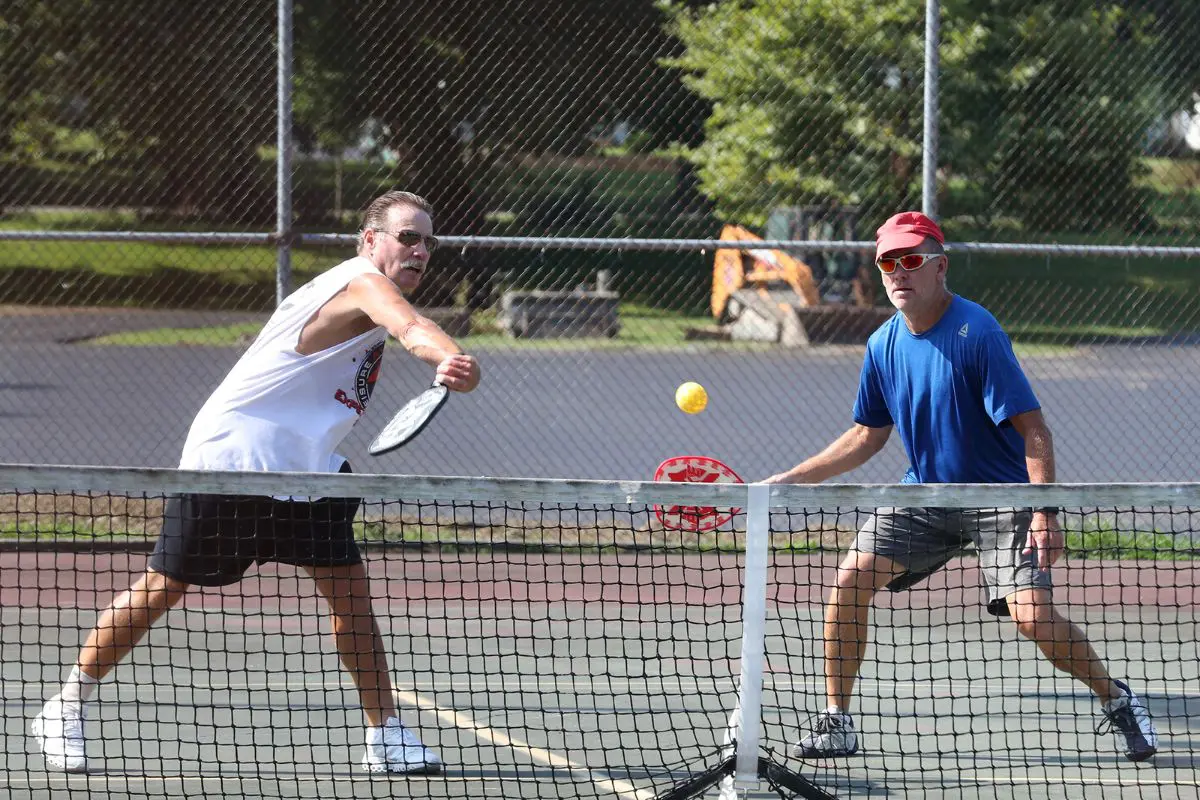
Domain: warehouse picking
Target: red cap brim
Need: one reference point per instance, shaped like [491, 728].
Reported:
[898, 240]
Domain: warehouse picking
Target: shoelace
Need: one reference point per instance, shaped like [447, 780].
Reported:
[825, 723]
[1123, 719]
[400, 736]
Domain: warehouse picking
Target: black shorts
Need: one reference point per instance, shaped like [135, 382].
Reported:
[212, 539]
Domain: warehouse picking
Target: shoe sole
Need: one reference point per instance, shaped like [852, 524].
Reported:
[58, 762]
[800, 752]
[396, 769]
[1142, 755]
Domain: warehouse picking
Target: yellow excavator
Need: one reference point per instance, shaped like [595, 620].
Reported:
[775, 296]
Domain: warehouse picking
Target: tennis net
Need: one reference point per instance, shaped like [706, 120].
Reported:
[552, 639]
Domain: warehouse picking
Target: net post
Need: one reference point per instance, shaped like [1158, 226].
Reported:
[754, 616]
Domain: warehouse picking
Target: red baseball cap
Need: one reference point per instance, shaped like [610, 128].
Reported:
[906, 230]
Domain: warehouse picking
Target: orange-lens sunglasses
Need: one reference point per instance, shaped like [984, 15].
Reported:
[908, 262]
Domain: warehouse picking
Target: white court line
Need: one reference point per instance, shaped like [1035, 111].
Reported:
[777, 680]
[460, 720]
[119, 781]
[101, 781]
[994, 687]
[591, 684]
[31, 690]
[1001, 778]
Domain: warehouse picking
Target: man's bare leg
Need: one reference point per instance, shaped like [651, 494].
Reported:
[847, 614]
[357, 638]
[1068, 649]
[126, 621]
[58, 728]
[390, 747]
[859, 577]
[1062, 642]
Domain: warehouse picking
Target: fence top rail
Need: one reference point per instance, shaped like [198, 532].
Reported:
[607, 243]
[162, 237]
[17, 478]
[600, 243]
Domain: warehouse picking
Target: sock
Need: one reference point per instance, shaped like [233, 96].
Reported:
[79, 687]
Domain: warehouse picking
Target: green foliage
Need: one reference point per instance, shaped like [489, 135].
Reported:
[1049, 109]
[812, 102]
[1044, 104]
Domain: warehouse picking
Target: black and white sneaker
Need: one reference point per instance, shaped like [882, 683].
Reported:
[833, 736]
[1128, 716]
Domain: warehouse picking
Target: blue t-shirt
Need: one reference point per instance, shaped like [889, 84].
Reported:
[950, 392]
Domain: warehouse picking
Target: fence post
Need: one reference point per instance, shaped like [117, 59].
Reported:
[283, 160]
[929, 145]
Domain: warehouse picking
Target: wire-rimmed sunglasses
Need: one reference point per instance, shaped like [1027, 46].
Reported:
[413, 238]
[908, 262]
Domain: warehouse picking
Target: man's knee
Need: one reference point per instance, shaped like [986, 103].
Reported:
[1034, 613]
[346, 588]
[865, 573]
[161, 590]
[352, 617]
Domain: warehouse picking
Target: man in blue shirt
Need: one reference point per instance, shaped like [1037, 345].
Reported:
[943, 373]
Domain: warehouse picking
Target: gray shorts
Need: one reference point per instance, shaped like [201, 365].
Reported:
[923, 540]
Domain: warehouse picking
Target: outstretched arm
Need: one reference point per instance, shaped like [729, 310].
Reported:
[852, 449]
[1045, 535]
[379, 299]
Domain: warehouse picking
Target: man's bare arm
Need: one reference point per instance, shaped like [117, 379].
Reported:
[1045, 534]
[1039, 445]
[852, 449]
[379, 299]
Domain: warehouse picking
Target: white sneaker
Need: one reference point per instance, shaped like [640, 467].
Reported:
[1128, 717]
[832, 737]
[58, 729]
[394, 748]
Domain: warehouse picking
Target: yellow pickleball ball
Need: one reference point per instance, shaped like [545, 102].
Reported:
[691, 397]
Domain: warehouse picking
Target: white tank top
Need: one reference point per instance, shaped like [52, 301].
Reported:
[278, 410]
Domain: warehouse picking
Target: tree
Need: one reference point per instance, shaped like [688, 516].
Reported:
[813, 102]
[1043, 104]
[466, 90]
[192, 83]
[34, 102]
[179, 94]
[1048, 110]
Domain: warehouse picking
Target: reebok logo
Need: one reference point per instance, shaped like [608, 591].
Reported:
[963, 331]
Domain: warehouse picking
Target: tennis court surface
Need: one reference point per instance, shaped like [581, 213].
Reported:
[552, 639]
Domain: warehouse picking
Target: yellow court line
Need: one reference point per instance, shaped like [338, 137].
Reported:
[622, 789]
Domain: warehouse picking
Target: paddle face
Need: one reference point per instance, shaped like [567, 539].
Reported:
[694, 469]
[409, 420]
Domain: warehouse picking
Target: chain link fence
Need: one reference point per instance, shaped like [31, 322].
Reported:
[584, 159]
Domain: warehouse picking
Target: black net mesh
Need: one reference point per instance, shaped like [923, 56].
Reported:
[557, 649]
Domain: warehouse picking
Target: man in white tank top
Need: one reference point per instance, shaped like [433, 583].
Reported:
[287, 405]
